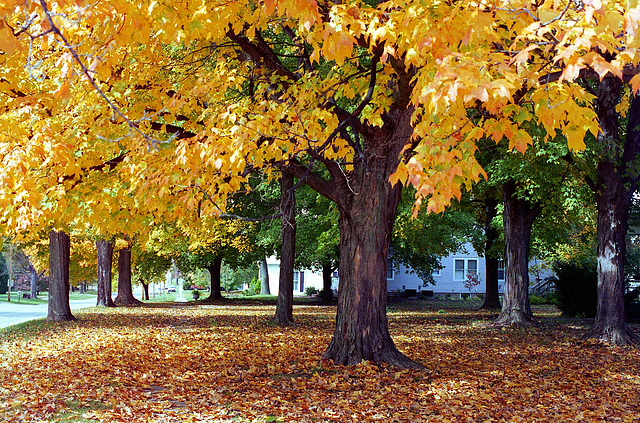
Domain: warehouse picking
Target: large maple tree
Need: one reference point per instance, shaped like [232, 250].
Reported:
[353, 98]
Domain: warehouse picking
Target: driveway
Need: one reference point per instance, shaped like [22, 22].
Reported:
[13, 313]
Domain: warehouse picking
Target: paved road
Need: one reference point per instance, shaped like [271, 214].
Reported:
[13, 313]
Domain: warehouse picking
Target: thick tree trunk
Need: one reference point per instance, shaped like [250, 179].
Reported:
[367, 207]
[492, 289]
[327, 292]
[216, 284]
[284, 303]
[519, 216]
[59, 252]
[125, 291]
[614, 190]
[105, 262]
[264, 277]
[33, 283]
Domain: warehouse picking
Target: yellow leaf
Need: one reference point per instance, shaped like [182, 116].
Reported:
[8, 42]
[575, 139]
[635, 83]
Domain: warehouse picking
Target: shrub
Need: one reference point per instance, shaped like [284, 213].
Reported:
[632, 304]
[577, 288]
[543, 299]
[310, 290]
[4, 284]
[196, 294]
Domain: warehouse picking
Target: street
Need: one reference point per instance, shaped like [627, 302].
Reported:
[13, 313]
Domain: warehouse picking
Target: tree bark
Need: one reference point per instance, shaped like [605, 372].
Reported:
[519, 216]
[284, 303]
[145, 291]
[492, 289]
[327, 292]
[615, 186]
[125, 291]
[105, 262]
[264, 277]
[59, 252]
[214, 270]
[367, 204]
[33, 282]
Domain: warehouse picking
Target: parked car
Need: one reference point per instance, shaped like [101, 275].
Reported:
[171, 289]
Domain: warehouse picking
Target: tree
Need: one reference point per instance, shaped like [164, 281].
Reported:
[105, 263]
[59, 251]
[125, 292]
[617, 178]
[264, 277]
[376, 93]
[284, 303]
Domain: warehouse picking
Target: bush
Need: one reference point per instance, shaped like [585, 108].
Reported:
[196, 294]
[310, 290]
[577, 288]
[543, 299]
[632, 304]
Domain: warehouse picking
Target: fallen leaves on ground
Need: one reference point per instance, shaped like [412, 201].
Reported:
[230, 363]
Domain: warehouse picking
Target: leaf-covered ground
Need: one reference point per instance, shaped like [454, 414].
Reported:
[229, 363]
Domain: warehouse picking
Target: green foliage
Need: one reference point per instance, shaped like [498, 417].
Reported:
[543, 299]
[310, 290]
[576, 286]
[233, 278]
[419, 243]
[196, 294]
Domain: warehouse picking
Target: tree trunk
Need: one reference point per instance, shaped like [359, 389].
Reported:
[327, 292]
[145, 291]
[59, 252]
[105, 262]
[264, 277]
[214, 271]
[125, 291]
[492, 289]
[33, 282]
[284, 303]
[367, 204]
[615, 186]
[519, 216]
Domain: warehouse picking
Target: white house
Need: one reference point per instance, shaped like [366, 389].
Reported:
[302, 278]
[448, 280]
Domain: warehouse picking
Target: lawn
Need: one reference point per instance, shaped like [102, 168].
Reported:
[169, 363]
[16, 297]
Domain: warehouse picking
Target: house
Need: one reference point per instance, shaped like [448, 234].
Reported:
[450, 280]
[302, 278]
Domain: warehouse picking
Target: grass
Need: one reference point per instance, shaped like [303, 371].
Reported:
[16, 297]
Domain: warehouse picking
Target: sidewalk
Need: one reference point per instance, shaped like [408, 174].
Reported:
[13, 313]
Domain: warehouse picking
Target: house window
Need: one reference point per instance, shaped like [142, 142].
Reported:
[500, 270]
[298, 281]
[437, 272]
[462, 267]
[390, 268]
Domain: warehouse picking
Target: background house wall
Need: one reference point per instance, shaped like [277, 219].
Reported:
[449, 280]
[304, 278]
